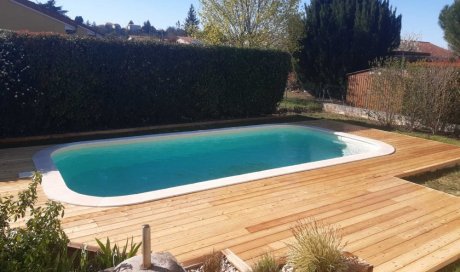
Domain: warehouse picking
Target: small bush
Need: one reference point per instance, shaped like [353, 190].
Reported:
[54, 84]
[266, 263]
[318, 248]
[108, 256]
[35, 246]
[213, 262]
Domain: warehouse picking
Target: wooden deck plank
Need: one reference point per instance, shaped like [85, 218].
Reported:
[397, 225]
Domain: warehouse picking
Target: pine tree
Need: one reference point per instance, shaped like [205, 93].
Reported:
[191, 22]
[343, 36]
[449, 20]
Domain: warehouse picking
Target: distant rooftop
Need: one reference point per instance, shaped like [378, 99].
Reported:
[421, 49]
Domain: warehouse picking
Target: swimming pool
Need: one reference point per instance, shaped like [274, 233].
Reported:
[137, 169]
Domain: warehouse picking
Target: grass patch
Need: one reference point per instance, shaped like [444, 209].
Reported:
[438, 138]
[299, 105]
[446, 180]
[453, 267]
[213, 262]
[266, 263]
[318, 248]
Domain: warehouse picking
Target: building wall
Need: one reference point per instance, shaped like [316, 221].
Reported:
[14, 16]
[81, 31]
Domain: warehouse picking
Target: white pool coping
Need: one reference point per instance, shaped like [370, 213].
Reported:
[56, 189]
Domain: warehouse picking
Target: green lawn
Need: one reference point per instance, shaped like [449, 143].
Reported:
[446, 180]
[299, 105]
[454, 267]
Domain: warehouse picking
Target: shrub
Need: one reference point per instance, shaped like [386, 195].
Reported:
[433, 96]
[108, 256]
[213, 262]
[266, 263]
[52, 84]
[35, 246]
[318, 248]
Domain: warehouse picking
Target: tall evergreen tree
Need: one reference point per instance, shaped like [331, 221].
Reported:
[449, 20]
[343, 36]
[191, 22]
[51, 5]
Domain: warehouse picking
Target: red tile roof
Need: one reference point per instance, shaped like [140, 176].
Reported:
[426, 50]
[434, 50]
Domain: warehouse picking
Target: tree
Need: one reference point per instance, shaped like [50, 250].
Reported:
[343, 36]
[256, 23]
[79, 20]
[212, 35]
[191, 22]
[51, 5]
[449, 20]
[147, 28]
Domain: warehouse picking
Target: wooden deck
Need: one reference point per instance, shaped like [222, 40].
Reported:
[391, 223]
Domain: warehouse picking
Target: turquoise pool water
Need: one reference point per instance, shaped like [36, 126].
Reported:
[136, 166]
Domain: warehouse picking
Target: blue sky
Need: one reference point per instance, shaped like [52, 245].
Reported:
[419, 16]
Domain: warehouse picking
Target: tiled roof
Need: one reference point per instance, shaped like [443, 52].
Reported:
[434, 50]
[429, 49]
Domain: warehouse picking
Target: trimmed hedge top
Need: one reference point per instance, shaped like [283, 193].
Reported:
[51, 83]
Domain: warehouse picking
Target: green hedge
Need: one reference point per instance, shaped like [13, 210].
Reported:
[52, 83]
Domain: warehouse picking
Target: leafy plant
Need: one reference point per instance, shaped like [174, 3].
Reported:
[266, 263]
[35, 245]
[213, 262]
[109, 256]
[318, 248]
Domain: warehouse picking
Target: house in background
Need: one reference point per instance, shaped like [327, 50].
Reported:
[24, 15]
[425, 51]
[188, 40]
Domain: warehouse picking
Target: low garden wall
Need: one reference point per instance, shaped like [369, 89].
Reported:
[57, 84]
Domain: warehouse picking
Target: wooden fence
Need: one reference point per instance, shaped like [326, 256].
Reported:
[358, 90]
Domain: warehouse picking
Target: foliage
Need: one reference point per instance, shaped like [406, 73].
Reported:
[295, 32]
[147, 28]
[79, 20]
[191, 22]
[432, 97]
[34, 246]
[64, 84]
[449, 20]
[108, 256]
[317, 248]
[211, 35]
[257, 23]
[266, 263]
[51, 5]
[387, 87]
[213, 262]
[420, 95]
[343, 36]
